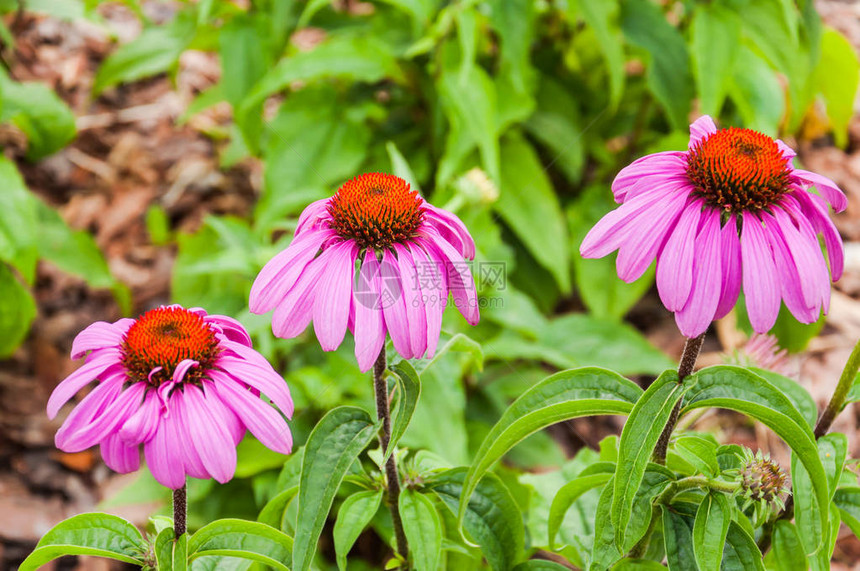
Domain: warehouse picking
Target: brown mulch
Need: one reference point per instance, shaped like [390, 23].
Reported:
[131, 154]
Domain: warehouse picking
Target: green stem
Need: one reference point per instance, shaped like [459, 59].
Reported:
[383, 413]
[688, 362]
[670, 492]
[837, 401]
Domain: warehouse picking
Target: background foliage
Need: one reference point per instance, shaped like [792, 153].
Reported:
[516, 115]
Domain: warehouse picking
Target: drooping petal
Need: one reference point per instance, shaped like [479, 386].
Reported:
[812, 277]
[701, 128]
[759, 275]
[87, 373]
[165, 464]
[231, 328]
[655, 166]
[234, 426]
[414, 300]
[675, 262]
[119, 456]
[816, 213]
[369, 328]
[695, 317]
[790, 280]
[730, 250]
[100, 335]
[262, 420]
[141, 425]
[282, 272]
[91, 408]
[826, 188]
[394, 305]
[431, 276]
[295, 310]
[103, 424]
[331, 304]
[311, 215]
[635, 256]
[209, 435]
[267, 381]
[452, 229]
[182, 368]
[177, 431]
[458, 277]
[616, 227]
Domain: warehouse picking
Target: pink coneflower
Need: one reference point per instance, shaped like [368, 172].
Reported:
[411, 257]
[729, 211]
[184, 384]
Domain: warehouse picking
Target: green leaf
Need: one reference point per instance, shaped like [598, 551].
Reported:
[423, 530]
[638, 439]
[606, 549]
[358, 58]
[400, 166]
[274, 511]
[18, 222]
[74, 252]
[491, 517]
[409, 386]
[836, 77]
[757, 92]
[180, 553]
[700, 452]
[678, 538]
[710, 529]
[469, 102]
[354, 515]
[669, 77]
[539, 565]
[798, 395]
[35, 109]
[637, 565]
[715, 40]
[848, 502]
[332, 447]
[565, 395]
[96, 534]
[741, 553]
[788, 551]
[156, 50]
[529, 205]
[832, 450]
[568, 494]
[602, 17]
[17, 311]
[243, 539]
[164, 549]
[738, 389]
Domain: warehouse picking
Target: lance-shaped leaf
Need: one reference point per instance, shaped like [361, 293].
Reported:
[743, 391]
[423, 530]
[332, 447]
[409, 385]
[492, 517]
[710, 529]
[569, 394]
[354, 515]
[243, 539]
[638, 439]
[97, 534]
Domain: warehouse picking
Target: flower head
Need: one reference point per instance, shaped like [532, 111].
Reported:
[410, 254]
[184, 384]
[764, 484]
[729, 212]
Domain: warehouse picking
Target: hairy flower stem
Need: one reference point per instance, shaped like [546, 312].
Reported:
[837, 401]
[383, 413]
[670, 492]
[180, 510]
[688, 363]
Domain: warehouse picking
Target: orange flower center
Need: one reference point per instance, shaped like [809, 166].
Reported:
[376, 210]
[738, 170]
[164, 337]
